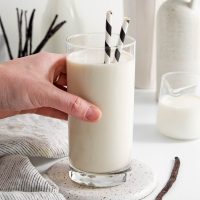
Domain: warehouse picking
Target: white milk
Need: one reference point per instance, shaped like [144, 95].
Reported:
[105, 146]
[178, 117]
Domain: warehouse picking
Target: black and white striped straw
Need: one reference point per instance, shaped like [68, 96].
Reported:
[121, 40]
[108, 37]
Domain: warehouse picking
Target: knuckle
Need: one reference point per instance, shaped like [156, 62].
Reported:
[76, 105]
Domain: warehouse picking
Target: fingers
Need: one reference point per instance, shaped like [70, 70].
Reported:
[72, 105]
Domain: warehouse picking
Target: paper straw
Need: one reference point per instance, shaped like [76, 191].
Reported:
[122, 36]
[108, 37]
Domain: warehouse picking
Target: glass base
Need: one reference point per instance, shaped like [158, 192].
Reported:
[98, 180]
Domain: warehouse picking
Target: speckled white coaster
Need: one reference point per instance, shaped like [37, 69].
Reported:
[140, 183]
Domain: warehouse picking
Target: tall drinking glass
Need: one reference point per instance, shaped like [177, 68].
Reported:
[179, 105]
[100, 153]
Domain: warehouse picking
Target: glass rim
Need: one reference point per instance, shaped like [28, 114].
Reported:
[169, 74]
[131, 43]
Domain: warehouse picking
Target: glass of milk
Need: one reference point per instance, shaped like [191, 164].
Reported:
[100, 153]
[179, 106]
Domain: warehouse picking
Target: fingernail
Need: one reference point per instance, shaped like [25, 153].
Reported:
[93, 114]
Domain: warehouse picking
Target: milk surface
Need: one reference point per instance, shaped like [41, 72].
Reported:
[105, 146]
[178, 117]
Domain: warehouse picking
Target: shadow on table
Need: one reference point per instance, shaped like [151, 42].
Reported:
[149, 133]
[145, 97]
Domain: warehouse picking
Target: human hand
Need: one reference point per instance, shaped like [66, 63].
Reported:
[36, 84]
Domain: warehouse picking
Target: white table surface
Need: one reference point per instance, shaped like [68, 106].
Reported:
[159, 151]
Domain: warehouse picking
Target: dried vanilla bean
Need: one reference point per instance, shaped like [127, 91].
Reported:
[6, 40]
[29, 32]
[25, 50]
[19, 20]
[26, 21]
[171, 180]
[51, 31]
[52, 24]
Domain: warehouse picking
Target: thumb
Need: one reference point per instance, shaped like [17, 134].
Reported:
[71, 104]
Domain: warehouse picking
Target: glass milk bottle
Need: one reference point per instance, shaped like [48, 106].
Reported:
[143, 28]
[178, 37]
[66, 11]
[145, 72]
[81, 16]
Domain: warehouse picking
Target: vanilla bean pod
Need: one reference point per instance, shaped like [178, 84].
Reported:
[26, 21]
[21, 34]
[46, 35]
[51, 31]
[29, 31]
[19, 20]
[25, 50]
[171, 180]
[52, 24]
[6, 40]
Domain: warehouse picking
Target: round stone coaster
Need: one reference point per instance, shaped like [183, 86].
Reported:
[140, 183]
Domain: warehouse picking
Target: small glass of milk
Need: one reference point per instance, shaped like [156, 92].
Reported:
[100, 153]
[179, 106]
